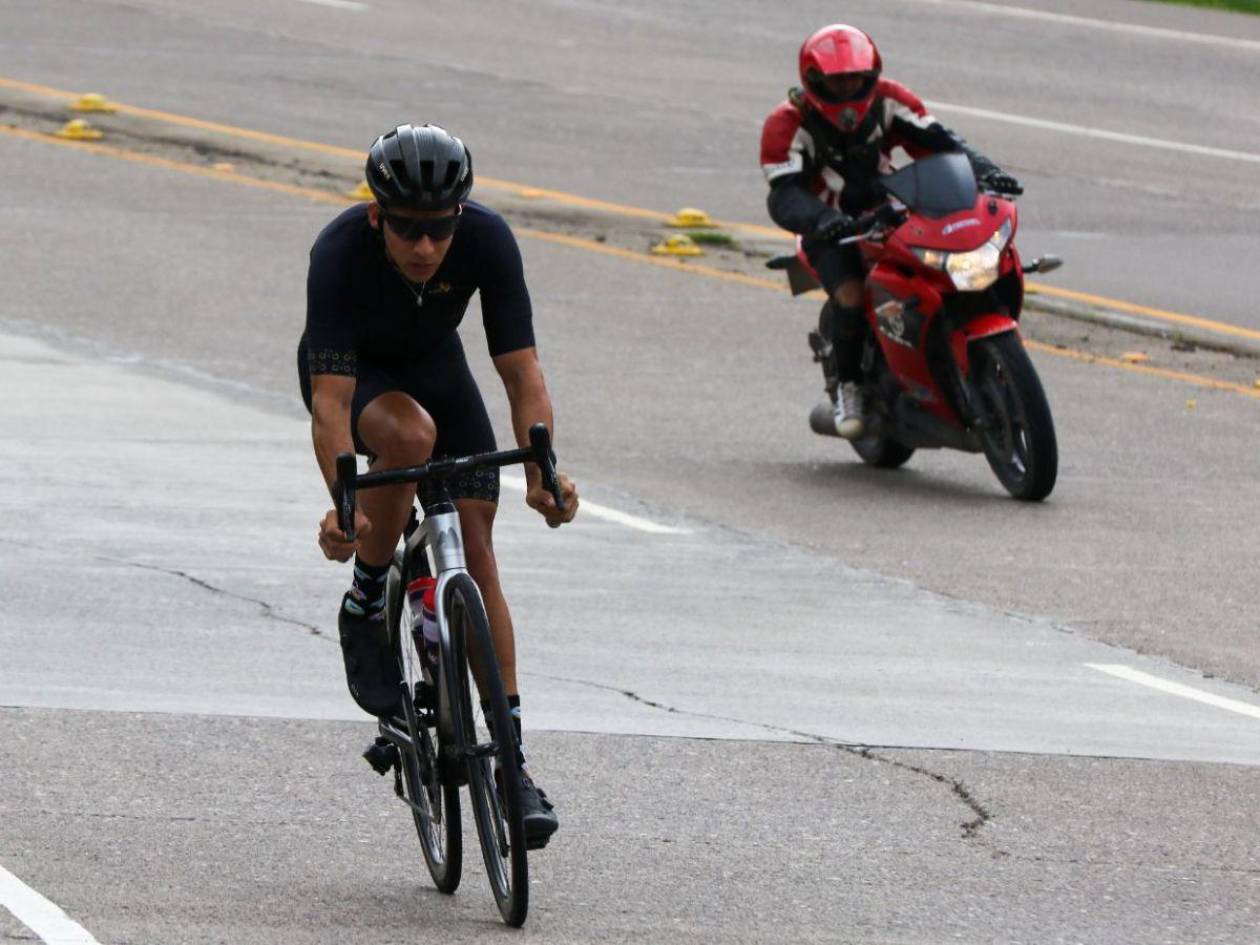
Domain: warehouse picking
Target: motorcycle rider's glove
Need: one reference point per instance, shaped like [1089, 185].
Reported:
[833, 225]
[1001, 182]
[884, 217]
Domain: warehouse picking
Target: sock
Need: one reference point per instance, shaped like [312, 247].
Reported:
[514, 704]
[367, 593]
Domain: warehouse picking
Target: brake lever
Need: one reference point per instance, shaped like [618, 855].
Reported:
[344, 497]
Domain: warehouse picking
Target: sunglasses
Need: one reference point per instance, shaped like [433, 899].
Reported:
[412, 230]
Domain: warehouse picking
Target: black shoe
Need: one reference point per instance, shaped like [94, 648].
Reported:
[538, 814]
[382, 755]
[372, 670]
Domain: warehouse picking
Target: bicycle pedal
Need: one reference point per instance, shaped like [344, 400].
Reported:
[487, 750]
[537, 843]
[382, 755]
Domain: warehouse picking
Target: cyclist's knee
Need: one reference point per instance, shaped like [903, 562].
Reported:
[398, 430]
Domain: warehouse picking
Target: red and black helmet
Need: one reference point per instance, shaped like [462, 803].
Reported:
[840, 67]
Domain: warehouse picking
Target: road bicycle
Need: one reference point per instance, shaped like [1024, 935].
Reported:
[432, 743]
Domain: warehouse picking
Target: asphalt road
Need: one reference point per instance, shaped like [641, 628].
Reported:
[179, 760]
[659, 105]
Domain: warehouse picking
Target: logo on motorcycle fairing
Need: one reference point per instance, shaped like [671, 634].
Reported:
[960, 225]
[892, 323]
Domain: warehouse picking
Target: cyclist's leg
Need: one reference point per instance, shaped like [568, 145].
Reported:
[476, 518]
[394, 430]
[463, 428]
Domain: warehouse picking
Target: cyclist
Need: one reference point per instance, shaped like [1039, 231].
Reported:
[383, 373]
[823, 150]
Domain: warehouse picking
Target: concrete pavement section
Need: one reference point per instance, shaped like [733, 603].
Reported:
[173, 530]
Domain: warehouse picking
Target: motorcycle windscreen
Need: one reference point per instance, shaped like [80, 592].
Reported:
[935, 186]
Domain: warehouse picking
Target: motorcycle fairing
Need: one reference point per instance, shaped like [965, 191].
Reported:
[983, 326]
[902, 309]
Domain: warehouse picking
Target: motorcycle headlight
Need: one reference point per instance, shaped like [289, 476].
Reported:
[972, 271]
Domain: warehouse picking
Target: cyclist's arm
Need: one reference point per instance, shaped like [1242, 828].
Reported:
[526, 388]
[331, 395]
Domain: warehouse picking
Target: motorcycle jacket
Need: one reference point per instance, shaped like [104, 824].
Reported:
[812, 164]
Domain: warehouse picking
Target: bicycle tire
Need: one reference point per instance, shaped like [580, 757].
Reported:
[440, 831]
[497, 813]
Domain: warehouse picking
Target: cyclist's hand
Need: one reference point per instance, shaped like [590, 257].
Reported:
[542, 501]
[332, 540]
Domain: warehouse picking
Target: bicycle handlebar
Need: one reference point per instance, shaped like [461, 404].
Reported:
[348, 481]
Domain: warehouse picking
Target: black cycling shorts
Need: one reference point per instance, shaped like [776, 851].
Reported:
[444, 386]
[835, 265]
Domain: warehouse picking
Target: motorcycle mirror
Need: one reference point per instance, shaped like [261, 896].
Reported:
[1044, 264]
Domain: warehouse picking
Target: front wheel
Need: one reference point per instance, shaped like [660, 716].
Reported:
[434, 806]
[494, 774]
[1018, 432]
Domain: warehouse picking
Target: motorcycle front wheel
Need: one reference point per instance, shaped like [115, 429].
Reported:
[1018, 436]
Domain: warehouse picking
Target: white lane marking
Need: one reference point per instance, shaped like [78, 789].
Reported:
[1087, 132]
[1158, 32]
[42, 916]
[1130, 674]
[339, 4]
[604, 512]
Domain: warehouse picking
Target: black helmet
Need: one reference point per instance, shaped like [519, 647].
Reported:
[419, 168]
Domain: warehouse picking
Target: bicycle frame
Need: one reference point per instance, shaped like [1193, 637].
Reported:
[458, 756]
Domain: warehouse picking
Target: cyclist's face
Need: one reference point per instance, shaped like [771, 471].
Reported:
[419, 258]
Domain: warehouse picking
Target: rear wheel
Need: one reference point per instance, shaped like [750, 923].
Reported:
[1018, 437]
[494, 777]
[435, 806]
[879, 449]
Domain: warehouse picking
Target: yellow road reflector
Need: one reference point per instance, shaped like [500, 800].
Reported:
[1257, 383]
[1191, 404]
[94, 102]
[531, 193]
[1134, 357]
[362, 192]
[678, 245]
[225, 166]
[79, 130]
[691, 217]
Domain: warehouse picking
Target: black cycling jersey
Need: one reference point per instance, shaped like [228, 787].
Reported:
[360, 308]
[363, 320]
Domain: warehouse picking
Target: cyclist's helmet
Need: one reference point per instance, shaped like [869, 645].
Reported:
[831, 56]
[419, 167]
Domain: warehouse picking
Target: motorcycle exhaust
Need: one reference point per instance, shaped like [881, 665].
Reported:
[822, 420]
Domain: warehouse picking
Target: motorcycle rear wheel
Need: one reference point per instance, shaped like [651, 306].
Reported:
[1019, 441]
[881, 451]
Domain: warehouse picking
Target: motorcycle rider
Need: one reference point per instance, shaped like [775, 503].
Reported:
[823, 150]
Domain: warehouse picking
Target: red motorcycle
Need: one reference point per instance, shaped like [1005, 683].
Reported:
[943, 363]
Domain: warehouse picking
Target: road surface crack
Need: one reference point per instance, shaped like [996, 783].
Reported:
[268, 610]
[961, 792]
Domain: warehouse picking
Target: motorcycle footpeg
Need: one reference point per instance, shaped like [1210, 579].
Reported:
[382, 755]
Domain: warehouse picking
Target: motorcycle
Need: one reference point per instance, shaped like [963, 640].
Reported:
[943, 364]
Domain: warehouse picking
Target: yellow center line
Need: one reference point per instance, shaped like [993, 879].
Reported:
[575, 242]
[1159, 313]
[136, 157]
[588, 203]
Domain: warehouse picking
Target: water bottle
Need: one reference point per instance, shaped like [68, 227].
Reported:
[421, 592]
